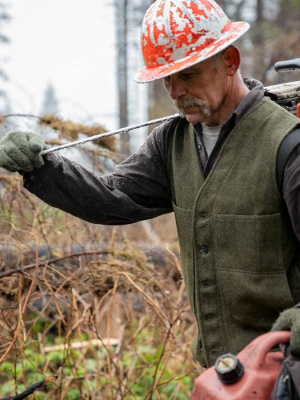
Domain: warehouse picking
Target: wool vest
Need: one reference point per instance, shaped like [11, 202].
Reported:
[239, 254]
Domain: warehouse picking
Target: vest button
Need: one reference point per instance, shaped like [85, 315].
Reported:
[204, 250]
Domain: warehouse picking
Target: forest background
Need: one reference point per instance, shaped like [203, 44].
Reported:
[103, 309]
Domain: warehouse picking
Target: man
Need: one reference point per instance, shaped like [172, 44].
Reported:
[214, 167]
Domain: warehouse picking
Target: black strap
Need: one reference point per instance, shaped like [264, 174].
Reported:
[287, 146]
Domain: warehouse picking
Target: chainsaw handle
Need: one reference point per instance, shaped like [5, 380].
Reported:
[262, 345]
[289, 65]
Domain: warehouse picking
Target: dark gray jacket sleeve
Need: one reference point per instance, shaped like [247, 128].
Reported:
[291, 189]
[138, 188]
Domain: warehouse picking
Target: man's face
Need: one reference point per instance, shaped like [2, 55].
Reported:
[198, 92]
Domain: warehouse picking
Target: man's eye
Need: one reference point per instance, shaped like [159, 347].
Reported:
[167, 80]
[188, 76]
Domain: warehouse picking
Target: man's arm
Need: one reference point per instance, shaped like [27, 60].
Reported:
[291, 189]
[138, 189]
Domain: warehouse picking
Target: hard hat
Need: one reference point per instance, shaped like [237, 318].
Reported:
[177, 34]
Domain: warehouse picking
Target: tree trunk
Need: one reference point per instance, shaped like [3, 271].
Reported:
[122, 66]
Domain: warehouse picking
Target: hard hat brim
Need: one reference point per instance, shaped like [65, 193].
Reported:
[149, 74]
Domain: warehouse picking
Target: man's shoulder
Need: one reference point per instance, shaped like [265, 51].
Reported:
[268, 114]
[160, 139]
[272, 106]
[167, 128]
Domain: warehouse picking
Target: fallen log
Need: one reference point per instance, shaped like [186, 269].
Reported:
[31, 390]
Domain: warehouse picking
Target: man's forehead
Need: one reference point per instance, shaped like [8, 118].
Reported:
[199, 67]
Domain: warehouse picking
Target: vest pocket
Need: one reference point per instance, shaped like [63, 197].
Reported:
[249, 243]
[251, 303]
[251, 277]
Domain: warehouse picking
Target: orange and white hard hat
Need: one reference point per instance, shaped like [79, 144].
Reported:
[177, 34]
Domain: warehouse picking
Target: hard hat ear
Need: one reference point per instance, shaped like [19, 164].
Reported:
[232, 60]
[177, 34]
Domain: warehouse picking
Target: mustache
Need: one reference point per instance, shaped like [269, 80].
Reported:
[182, 104]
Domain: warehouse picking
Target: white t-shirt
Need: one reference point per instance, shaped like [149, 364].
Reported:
[210, 136]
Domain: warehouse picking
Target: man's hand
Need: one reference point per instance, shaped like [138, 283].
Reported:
[20, 151]
[289, 320]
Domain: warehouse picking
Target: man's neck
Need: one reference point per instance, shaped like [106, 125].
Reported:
[236, 93]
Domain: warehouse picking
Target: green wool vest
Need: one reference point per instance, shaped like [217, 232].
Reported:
[238, 251]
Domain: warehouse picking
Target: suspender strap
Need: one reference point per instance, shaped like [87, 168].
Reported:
[287, 146]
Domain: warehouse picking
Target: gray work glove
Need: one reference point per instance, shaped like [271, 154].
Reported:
[289, 320]
[20, 151]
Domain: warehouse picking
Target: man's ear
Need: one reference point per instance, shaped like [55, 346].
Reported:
[232, 60]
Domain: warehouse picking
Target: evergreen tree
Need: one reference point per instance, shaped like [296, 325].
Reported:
[50, 102]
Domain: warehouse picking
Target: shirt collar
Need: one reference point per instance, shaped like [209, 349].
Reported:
[254, 97]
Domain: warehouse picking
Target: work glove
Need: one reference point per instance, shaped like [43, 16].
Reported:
[289, 320]
[20, 151]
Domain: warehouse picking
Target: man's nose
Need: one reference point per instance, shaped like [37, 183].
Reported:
[176, 88]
